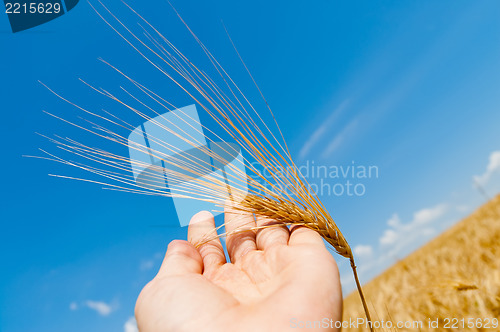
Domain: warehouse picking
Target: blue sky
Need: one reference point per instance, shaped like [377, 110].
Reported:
[409, 87]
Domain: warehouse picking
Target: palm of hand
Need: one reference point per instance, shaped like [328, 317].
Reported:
[276, 279]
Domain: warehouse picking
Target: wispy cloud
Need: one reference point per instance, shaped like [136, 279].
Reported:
[146, 265]
[337, 141]
[492, 168]
[130, 325]
[149, 263]
[363, 251]
[398, 233]
[102, 308]
[322, 129]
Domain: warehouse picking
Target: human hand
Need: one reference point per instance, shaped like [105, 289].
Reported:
[276, 280]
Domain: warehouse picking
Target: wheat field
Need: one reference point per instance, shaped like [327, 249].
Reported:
[455, 276]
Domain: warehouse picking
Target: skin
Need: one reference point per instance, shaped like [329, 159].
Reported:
[276, 279]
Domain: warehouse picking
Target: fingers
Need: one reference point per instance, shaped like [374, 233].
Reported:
[240, 239]
[181, 258]
[276, 234]
[202, 228]
[303, 235]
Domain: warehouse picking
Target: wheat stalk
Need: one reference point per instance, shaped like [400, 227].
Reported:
[286, 198]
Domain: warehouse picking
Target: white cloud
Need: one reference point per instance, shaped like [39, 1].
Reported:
[101, 308]
[149, 263]
[146, 265]
[394, 221]
[322, 129]
[493, 167]
[130, 325]
[426, 216]
[389, 237]
[399, 234]
[363, 251]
